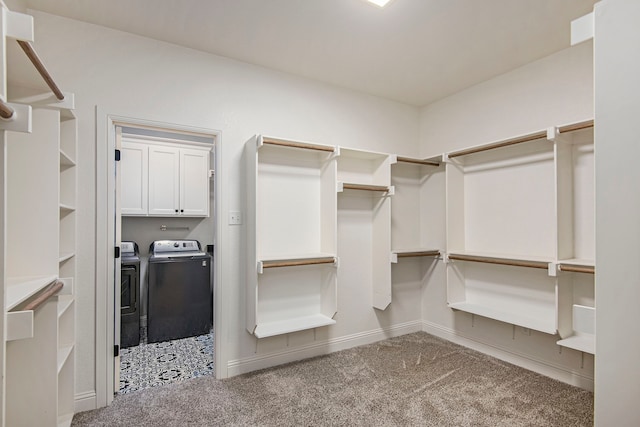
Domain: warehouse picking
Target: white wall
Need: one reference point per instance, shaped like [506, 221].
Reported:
[617, 67]
[554, 90]
[551, 91]
[136, 77]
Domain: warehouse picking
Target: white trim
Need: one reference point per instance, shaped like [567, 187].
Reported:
[105, 210]
[542, 367]
[85, 401]
[253, 363]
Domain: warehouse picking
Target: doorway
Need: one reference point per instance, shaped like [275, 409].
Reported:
[141, 228]
[165, 201]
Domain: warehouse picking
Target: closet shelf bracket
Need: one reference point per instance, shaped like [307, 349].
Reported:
[19, 119]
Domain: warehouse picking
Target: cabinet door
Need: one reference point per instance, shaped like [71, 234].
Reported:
[194, 182]
[164, 176]
[134, 172]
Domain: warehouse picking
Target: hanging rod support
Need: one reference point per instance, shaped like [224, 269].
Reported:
[35, 60]
[6, 112]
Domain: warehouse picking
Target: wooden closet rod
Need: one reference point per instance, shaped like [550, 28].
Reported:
[577, 268]
[53, 289]
[417, 254]
[576, 126]
[6, 112]
[500, 261]
[297, 262]
[418, 161]
[365, 187]
[35, 60]
[285, 143]
[519, 140]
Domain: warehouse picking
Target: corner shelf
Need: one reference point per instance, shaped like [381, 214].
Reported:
[530, 197]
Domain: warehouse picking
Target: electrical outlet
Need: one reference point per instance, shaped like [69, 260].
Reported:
[235, 218]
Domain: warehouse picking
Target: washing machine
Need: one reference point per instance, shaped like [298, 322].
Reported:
[129, 295]
[179, 296]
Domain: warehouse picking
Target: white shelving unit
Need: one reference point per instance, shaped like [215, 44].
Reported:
[519, 214]
[291, 227]
[366, 176]
[412, 180]
[38, 212]
[41, 200]
[576, 237]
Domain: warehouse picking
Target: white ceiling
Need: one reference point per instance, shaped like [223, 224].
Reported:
[412, 51]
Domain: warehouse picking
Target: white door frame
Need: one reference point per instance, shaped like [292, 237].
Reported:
[105, 260]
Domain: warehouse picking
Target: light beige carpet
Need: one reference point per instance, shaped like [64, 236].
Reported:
[413, 380]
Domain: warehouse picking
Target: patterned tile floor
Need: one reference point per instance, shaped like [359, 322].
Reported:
[149, 365]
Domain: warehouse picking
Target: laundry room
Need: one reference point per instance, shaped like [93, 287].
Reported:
[165, 182]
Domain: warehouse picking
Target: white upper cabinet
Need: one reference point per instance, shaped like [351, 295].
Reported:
[194, 182]
[164, 179]
[134, 172]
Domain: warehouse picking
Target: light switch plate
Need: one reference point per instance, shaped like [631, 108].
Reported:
[235, 218]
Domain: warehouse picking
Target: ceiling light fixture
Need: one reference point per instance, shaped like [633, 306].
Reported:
[379, 3]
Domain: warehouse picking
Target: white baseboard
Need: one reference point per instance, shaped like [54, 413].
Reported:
[508, 355]
[262, 361]
[85, 401]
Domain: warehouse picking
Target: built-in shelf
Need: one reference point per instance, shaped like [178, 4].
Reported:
[64, 302]
[580, 342]
[518, 318]
[265, 330]
[65, 160]
[63, 356]
[65, 209]
[20, 289]
[66, 257]
[292, 232]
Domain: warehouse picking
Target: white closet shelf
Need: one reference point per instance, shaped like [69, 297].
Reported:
[513, 318]
[65, 209]
[580, 342]
[65, 257]
[530, 262]
[64, 302]
[66, 160]
[63, 356]
[295, 324]
[20, 289]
